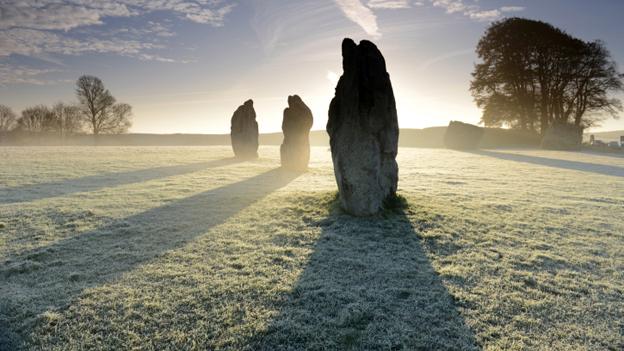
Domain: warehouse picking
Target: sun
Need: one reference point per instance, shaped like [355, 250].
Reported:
[332, 77]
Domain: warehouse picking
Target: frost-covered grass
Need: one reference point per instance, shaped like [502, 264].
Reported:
[185, 248]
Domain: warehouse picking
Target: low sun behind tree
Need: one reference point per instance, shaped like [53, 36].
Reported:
[534, 75]
[99, 108]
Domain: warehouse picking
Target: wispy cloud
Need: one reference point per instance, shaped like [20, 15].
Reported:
[281, 26]
[363, 16]
[484, 15]
[512, 8]
[69, 14]
[447, 56]
[389, 4]
[473, 10]
[30, 42]
[45, 28]
[52, 15]
[16, 74]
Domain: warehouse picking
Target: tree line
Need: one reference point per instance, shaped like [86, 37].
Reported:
[96, 112]
[534, 76]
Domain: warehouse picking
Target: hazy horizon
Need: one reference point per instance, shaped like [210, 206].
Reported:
[185, 66]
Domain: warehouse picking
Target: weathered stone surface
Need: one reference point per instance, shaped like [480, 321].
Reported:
[295, 150]
[562, 136]
[462, 136]
[364, 130]
[244, 131]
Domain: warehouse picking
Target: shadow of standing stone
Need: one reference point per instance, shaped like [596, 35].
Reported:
[367, 285]
[295, 150]
[364, 130]
[244, 131]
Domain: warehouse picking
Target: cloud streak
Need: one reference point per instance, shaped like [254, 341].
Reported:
[472, 10]
[357, 12]
[364, 14]
[388, 4]
[45, 28]
[70, 14]
[30, 42]
[16, 74]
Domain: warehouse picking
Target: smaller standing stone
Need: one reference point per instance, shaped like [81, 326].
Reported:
[295, 150]
[244, 131]
[462, 136]
[563, 136]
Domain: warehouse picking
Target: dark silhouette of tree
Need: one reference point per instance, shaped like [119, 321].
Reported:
[99, 107]
[67, 119]
[36, 119]
[533, 75]
[119, 121]
[8, 119]
[597, 75]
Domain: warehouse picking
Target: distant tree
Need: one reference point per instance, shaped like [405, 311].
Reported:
[597, 75]
[67, 119]
[36, 119]
[119, 121]
[533, 75]
[99, 108]
[8, 119]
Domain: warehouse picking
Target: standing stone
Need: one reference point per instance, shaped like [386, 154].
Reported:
[244, 131]
[462, 136]
[563, 136]
[363, 130]
[295, 150]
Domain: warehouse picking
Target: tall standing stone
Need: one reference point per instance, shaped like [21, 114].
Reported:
[295, 150]
[244, 131]
[363, 130]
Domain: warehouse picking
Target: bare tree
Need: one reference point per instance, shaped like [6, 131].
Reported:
[8, 119]
[67, 119]
[596, 76]
[99, 109]
[36, 119]
[119, 121]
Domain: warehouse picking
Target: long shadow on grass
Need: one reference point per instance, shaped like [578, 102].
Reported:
[556, 163]
[619, 155]
[368, 286]
[52, 276]
[70, 186]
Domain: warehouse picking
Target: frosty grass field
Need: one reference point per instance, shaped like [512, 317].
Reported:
[184, 248]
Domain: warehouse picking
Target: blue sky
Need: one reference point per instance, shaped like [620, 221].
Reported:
[185, 65]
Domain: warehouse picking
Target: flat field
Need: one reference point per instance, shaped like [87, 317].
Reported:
[187, 249]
